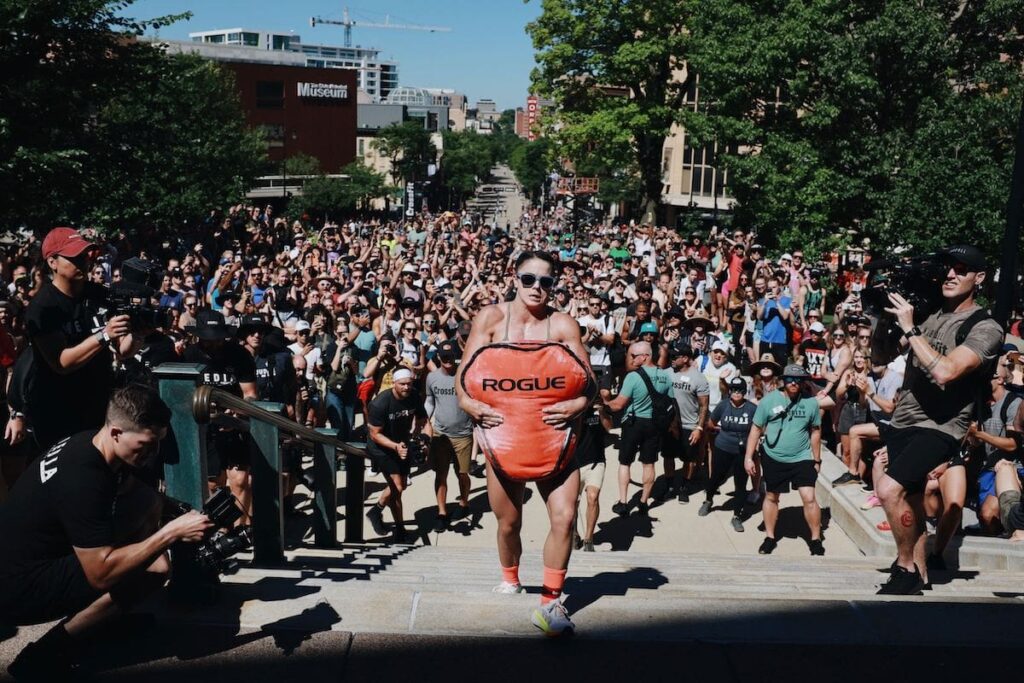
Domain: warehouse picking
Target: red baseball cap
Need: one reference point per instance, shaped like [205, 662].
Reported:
[65, 242]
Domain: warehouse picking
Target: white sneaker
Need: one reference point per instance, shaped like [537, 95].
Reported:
[508, 588]
[553, 620]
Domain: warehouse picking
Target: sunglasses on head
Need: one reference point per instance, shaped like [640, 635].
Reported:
[528, 280]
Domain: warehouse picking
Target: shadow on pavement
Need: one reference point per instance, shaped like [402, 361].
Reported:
[584, 591]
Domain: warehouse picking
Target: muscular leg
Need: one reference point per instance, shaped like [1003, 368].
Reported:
[464, 485]
[648, 482]
[953, 484]
[560, 496]
[240, 483]
[859, 434]
[812, 513]
[129, 591]
[593, 510]
[770, 510]
[623, 482]
[903, 518]
[988, 515]
[441, 466]
[396, 484]
[506, 499]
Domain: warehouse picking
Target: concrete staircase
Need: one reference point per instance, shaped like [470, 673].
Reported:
[621, 596]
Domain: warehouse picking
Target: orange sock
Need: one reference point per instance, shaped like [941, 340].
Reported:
[554, 580]
[510, 574]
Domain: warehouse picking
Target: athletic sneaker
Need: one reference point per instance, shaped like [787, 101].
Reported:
[816, 547]
[577, 542]
[552, 619]
[588, 546]
[478, 470]
[846, 479]
[376, 517]
[935, 562]
[642, 509]
[39, 662]
[705, 509]
[767, 546]
[621, 509]
[441, 523]
[507, 588]
[902, 582]
[737, 524]
[683, 497]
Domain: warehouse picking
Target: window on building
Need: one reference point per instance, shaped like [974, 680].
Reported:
[361, 147]
[273, 134]
[250, 39]
[270, 94]
[219, 38]
[235, 38]
[280, 42]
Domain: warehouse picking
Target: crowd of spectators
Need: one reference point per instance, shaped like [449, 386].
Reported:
[321, 317]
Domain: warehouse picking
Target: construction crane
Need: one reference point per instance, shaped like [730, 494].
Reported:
[348, 23]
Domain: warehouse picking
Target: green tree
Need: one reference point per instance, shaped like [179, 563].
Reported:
[171, 145]
[586, 48]
[531, 164]
[847, 120]
[409, 148]
[467, 158]
[302, 164]
[335, 197]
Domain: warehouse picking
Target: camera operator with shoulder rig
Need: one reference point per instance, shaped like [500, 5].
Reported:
[80, 536]
[951, 355]
[71, 350]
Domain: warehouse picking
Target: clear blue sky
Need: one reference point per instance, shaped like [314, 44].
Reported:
[486, 55]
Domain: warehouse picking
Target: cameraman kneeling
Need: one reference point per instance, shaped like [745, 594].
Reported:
[397, 417]
[79, 536]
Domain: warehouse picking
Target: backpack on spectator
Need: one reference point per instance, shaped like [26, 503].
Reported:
[663, 407]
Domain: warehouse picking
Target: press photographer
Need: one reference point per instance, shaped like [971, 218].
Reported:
[951, 354]
[71, 375]
[79, 536]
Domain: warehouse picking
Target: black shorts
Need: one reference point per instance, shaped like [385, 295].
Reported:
[226, 449]
[388, 463]
[58, 589]
[639, 437]
[779, 476]
[914, 452]
[671, 447]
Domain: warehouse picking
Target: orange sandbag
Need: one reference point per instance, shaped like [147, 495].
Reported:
[519, 380]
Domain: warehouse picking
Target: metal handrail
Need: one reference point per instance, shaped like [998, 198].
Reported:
[207, 396]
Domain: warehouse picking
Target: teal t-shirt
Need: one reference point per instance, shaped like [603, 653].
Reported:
[636, 389]
[787, 439]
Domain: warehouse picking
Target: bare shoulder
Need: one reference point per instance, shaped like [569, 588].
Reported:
[488, 320]
[564, 327]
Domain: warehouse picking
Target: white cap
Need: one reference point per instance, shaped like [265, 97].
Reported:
[401, 373]
[720, 345]
[816, 327]
[409, 268]
[785, 257]
[301, 325]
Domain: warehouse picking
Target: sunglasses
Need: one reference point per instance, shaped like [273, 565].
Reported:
[960, 268]
[863, 336]
[839, 336]
[529, 280]
[410, 329]
[791, 380]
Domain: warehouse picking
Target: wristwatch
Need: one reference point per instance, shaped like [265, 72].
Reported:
[914, 331]
[102, 337]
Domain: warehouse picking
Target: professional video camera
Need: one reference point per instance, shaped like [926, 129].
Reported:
[418, 445]
[918, 280]
[132, 296]
[213, 554]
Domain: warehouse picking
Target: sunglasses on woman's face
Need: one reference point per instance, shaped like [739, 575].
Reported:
[529, 280]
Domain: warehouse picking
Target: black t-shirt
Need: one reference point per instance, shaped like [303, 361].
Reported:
[814, 353]
[275, 376]
[78, 398]
[225, 368]
[394, 417]
[590, 448]
[157, 349]
[64, 499]
[281, 302]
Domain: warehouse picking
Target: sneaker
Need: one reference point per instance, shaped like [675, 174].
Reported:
[767, 546]
[683, 497]
[705, 509]
[935, 562]
[871, 502]
[902, 582]
[817, 547]
[441, 523]
[38, 662]
[588, 546]
[577, 542]
[846, 479]
[621, 509]
[737, 524]
[507, 588]
[552, 619]
[376, 517]
[642, 509]
[478, 470]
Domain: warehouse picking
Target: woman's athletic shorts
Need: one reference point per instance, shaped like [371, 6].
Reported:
[592, 475]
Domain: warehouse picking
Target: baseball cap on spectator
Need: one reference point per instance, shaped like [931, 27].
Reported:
[409, 268]
[816, 327]
[65, 242]
[449, 351]
[301, 325]
[757, 247]
[409, 302]
[967, 255]
[795, 371]
[675, 312]
[738, 384]
[680, 347]
[252, 323]
[649, 327]
[210, 326]
[785, 257]
[720, 345]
